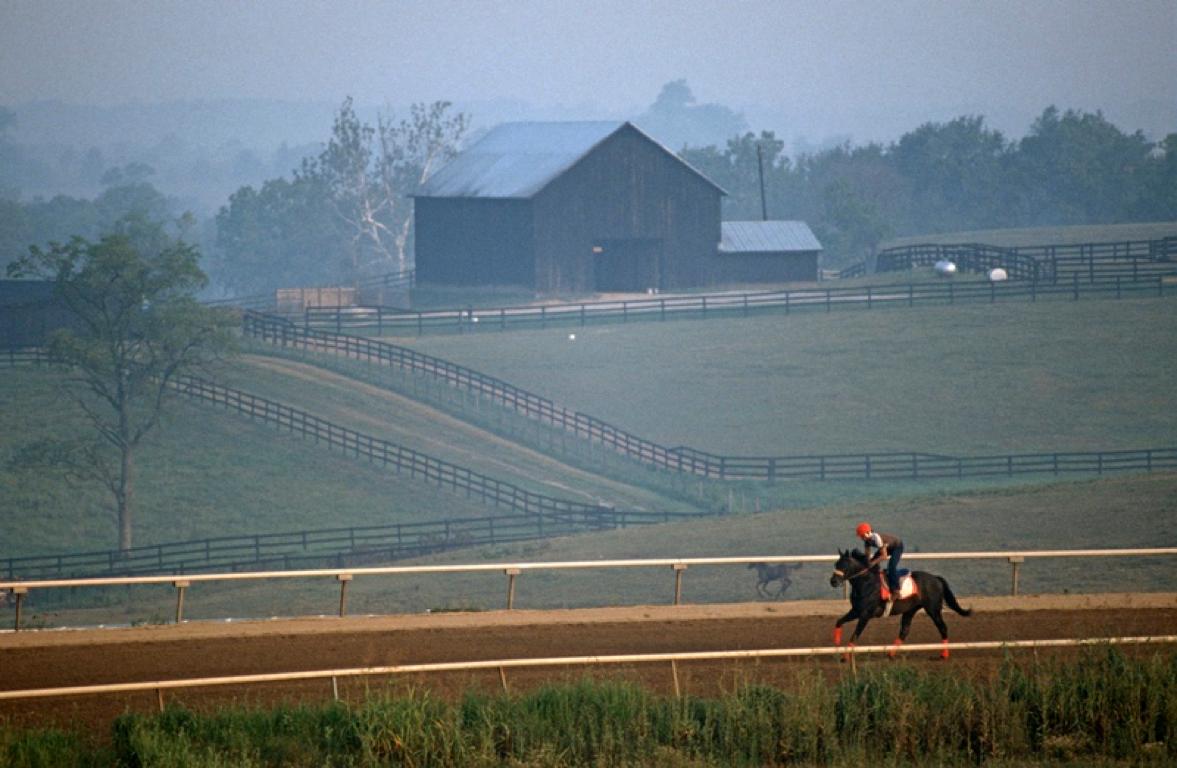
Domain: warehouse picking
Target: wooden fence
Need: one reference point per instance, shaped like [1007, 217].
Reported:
[1127, 261]
[399, 322]
[864, 466]
[678, 566]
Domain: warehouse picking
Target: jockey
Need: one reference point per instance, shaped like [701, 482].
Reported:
[885, 546]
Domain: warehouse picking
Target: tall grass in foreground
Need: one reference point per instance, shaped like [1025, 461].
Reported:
[1104, 708]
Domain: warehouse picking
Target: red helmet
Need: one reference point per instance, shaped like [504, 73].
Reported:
[863, 530]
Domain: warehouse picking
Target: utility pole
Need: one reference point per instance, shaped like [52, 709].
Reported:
[760, 167]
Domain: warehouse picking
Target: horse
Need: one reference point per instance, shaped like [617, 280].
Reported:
[766, 574]
[929, 592]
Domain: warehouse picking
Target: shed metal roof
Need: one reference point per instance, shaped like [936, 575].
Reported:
[766, 237]
[517, 160]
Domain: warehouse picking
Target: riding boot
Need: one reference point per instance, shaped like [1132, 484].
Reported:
[889, 606]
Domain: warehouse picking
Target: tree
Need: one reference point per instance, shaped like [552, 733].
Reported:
[737, 170]
[678, 121]
[136, 328]
[1078, 168]
[282, 235]
[372, 173]
[954, 170]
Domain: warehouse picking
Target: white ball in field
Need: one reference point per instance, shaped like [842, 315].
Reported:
[572, 337]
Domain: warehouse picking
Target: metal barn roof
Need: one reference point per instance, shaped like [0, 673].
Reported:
[767, 237]
[517, 160]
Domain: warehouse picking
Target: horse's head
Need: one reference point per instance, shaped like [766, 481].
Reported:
[851, 564]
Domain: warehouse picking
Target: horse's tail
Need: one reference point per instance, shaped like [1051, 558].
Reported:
[950, 599]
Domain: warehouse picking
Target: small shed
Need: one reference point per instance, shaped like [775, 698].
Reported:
[568, 207]
[30, 311]
[768, 252]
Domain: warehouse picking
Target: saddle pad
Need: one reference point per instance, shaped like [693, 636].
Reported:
[907, 586]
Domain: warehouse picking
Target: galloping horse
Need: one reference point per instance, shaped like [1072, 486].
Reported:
[926, 591]
[766, 574]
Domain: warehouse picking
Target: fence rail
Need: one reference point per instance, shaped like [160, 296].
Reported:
[1130, 260]
[678, 566]
[1101, 283]
[501, 665]
[685, 460]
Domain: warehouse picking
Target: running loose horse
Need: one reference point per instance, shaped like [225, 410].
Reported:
[920, 590]
[766, 574]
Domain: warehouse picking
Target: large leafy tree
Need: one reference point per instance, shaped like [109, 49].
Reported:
[135, 328]
[283, 234]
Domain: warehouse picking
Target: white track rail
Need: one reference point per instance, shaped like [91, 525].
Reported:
[561, 661]
[512, 570]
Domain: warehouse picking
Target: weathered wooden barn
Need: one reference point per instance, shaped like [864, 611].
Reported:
[768, 252]
[569, 207]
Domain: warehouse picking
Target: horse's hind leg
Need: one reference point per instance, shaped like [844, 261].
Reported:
[904, 628]
[938, 620]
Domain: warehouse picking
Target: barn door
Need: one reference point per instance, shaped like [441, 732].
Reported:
[626, 266]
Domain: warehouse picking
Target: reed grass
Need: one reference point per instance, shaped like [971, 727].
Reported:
[1103, 706]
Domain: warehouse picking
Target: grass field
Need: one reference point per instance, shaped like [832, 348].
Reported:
[958, 380]
[1088, 375]
[1110, 512]
[204, 473]
[1032, 236]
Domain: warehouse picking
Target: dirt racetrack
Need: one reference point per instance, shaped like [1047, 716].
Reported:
[54, 658]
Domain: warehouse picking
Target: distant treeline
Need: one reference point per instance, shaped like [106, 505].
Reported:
[298, 229]
[1071, 168]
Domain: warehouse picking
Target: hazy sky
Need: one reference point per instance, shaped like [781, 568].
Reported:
[824, 67]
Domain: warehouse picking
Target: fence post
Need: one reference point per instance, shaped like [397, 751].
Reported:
[344, 580]
[678, 569]
[1015, 562]
[869, 298]
[511, 574]
[180, 586]
[20, 593]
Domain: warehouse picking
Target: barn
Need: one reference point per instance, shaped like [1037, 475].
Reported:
[568, 207]
[768, 251]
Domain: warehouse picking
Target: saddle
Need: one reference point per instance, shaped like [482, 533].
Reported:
[907, 585]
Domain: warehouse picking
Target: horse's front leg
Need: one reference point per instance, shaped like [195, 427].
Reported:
[850, 616]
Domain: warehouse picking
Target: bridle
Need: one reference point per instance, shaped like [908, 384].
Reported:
[839, 573]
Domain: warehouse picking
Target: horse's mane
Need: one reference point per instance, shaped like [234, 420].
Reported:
[858, 555]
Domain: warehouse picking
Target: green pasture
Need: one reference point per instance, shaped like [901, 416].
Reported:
[981, 379]
[379, 412]
[204, 473]
[1115, 512]
[963, 380]
[1036, 236]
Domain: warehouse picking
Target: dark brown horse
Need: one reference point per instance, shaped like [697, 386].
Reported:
[931, 594]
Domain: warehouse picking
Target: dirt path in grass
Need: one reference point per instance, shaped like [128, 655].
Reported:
[42, 659]
[462, 449]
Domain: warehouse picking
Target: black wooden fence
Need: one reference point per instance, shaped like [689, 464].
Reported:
[413, 463]
[865, 466]
[398, 322]
[1126, 261]
[353, 546]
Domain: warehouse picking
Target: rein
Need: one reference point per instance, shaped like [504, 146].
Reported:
[865, 570]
